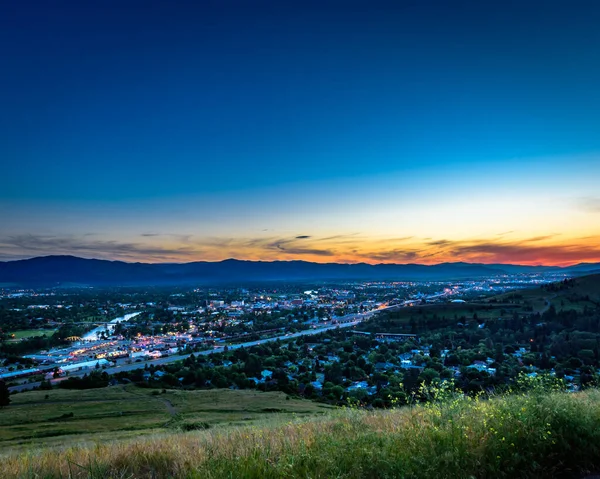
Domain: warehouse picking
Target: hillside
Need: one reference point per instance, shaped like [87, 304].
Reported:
[61, 270]
[576, 294]
[530, 435]
[588, 286]
[60, 417]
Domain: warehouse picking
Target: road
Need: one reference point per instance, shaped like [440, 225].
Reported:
[547, 303]
[349, 321]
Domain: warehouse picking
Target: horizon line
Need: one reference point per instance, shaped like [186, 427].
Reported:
[297, 261]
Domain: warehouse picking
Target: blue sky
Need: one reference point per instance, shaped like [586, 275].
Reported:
[227, 122]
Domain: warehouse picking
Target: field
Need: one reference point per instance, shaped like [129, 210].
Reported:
[549, 434]
[30, 333]
[44, 417]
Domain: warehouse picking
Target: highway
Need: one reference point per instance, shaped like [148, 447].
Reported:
[348, 322]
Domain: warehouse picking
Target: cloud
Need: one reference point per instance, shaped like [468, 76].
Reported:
[157, 247]
[309, 251]
[536, 239]
[441, 242]
[24, 245]
[180, 237]
[535, 250]
[287, 246]
[543, 249]
[264, 248]
[392, 256]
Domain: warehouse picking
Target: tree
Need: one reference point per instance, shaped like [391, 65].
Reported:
[338, 392]
[4, 395]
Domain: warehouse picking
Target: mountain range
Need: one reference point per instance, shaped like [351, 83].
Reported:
[71, 270]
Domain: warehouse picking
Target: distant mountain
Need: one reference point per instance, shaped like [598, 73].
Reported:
[57, 270]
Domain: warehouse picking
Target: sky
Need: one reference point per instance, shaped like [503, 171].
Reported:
[329, 131]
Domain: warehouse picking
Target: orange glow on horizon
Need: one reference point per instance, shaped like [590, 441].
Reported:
[551, 250]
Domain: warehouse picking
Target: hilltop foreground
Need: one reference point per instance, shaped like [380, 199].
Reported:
[550, 434]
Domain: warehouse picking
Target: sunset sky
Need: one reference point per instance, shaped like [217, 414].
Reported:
[330, 131]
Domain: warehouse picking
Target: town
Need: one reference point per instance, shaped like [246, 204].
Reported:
[53, 337]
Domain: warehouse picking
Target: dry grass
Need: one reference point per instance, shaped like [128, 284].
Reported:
[534, 435]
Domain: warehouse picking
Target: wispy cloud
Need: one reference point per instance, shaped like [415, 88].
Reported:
[177, 236]
[25, 245]
[535, 250]
[155, 247]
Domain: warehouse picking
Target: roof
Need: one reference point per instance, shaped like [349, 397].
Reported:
[21, 372]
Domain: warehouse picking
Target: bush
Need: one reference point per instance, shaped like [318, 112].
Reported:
[195, 426]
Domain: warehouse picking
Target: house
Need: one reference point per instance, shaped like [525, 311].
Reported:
[482, 367]
[384, 366]
[358, 385]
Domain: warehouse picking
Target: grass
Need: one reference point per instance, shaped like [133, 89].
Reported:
[523, 435]
[30, 333]
[126, 411]
[567, 299]
[525, 301]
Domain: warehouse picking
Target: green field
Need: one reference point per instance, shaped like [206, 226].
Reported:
[30, 333]
[35, 417]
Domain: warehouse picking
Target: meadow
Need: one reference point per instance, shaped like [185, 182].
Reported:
[29, 333]
[521, 435]
[63, 417]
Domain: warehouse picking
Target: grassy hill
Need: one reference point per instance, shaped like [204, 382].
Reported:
[65, 417]
[577, 294]
[550, 434]
[588, 286]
